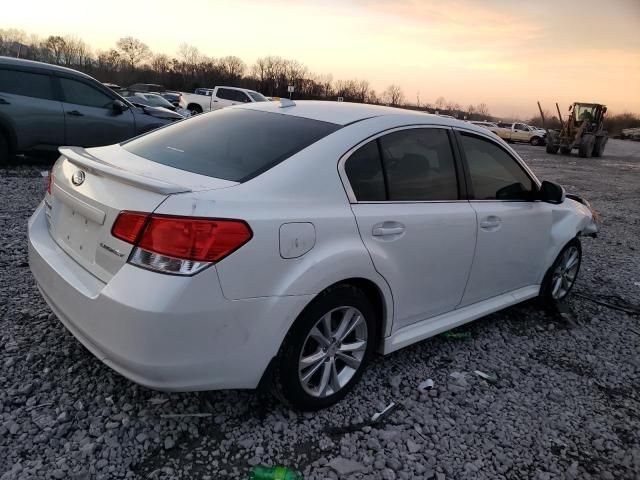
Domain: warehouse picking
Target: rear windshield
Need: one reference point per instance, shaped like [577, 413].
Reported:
[231, 144]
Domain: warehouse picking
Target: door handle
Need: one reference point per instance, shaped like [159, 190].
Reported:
[75, 113]
[4, 102]
[386, 230]
[491, 223]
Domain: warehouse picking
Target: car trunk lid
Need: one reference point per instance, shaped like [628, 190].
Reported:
[89, 188]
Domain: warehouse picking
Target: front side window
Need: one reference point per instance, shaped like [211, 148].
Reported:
[257, 97]
[419, 165]
[80, 93]
[226, 94]
[495, 175]
[26, 83]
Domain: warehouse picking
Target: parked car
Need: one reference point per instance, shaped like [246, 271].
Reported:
[201, 256]
[113, 86]
[483, 124]
[44, 106]
[172, 97]
[146, 87]
[148, 99]
[218, 97]
[519, 132]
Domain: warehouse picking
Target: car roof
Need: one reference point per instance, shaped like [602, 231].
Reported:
[31, 64]
[345, 113]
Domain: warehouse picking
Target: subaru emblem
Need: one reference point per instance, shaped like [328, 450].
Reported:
[78, 178]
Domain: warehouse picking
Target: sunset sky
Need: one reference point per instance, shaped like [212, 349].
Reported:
[507, 54]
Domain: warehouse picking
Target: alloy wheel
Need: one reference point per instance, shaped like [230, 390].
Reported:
[564, 276]
[333, 351]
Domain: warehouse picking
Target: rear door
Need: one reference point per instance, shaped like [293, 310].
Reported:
[29, 105]
[418, 229]
[513, 230]
[90, 119]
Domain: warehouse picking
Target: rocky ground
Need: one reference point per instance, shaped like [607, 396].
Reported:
[566, 403]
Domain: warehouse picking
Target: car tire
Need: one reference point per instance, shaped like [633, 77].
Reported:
[535, 141]
[599, 144]
[194, 109]
[565, 150]
[552, 148]
[561, 277]
[586, 146]
[310, 372]
[5, 150]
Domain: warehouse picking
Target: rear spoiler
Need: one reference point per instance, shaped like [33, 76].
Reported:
[83, 159]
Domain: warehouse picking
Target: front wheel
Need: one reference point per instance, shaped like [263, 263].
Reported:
[535, 141]
[562, 275]
[325, 353]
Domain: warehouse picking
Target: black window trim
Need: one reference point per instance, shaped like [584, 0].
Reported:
[470, 195]
[89, 82]
[460, 180]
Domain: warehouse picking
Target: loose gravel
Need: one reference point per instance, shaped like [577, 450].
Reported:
[561, 401]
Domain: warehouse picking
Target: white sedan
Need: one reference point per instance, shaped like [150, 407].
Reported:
[284, 244]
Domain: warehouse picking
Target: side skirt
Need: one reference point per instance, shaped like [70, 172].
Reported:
[416, 332]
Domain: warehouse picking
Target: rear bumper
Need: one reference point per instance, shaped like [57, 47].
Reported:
[164, 332]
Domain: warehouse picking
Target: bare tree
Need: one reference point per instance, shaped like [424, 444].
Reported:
[232, 67]
[133, 50]
[160, 63]
[56, 46]
[393, 95]
[483, 110]
[11, 41]
[440, 103]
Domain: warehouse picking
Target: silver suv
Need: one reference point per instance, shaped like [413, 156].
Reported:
[44, 106]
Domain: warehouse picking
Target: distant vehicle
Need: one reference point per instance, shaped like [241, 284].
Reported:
[283, 244]
[44, 106]
[146, 87]
[583, 129]
[218, 97]
[519, 132]
[113, 86]
[148, 99]
[483, 124]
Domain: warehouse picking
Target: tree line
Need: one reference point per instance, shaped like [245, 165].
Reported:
[132, 61]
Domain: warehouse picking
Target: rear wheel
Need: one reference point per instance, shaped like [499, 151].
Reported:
[598, 147]
[562, 275]
[325, 353]
[586, 146]
[194, 109]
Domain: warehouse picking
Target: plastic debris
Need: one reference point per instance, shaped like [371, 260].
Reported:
[158, 400]
[425, 386]
[489, 377]
[44, 173]
[387, 410]
[274, 473]
[457, 335]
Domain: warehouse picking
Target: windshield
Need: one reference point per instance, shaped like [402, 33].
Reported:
[584, 112]
[231, 144]
[157, 101]
[257, 97]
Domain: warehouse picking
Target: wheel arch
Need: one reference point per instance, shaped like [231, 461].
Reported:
[7, 130]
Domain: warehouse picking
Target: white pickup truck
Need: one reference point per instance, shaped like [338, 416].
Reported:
[519, 132]
[207, 99]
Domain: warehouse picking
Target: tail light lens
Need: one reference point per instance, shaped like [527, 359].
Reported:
[179, 245]
[50, 181]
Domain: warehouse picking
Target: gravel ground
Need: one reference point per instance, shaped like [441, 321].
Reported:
[566, 403]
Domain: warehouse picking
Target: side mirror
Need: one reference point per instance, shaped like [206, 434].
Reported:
[551, 193]
[119, 106]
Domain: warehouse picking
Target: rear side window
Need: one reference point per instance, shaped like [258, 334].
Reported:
[409, 165]
[80, 93]
[364, 170]
[231, 144]
[495, 175]
[419, 165]
[26, 83]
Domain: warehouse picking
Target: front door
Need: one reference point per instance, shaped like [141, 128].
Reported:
[90, 119]
[411, 218]
[513, 230]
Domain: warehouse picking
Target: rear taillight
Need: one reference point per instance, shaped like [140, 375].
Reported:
[50, 181]
[179, 245]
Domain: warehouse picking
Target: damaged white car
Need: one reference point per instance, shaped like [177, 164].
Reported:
[285, 243]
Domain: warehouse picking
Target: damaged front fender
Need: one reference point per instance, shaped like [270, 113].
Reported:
[590, 227]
